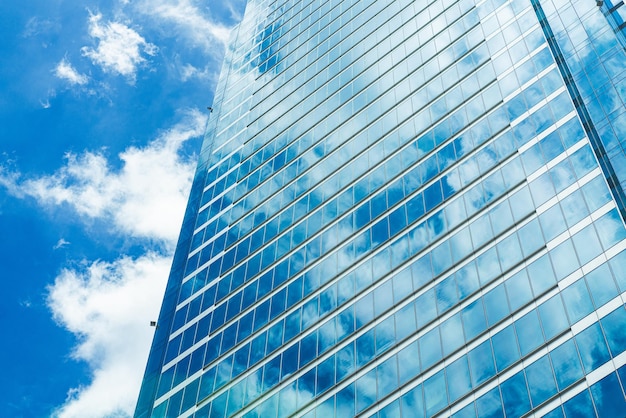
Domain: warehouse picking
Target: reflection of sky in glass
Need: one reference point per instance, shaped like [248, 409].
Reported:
[402, 207]
[595, 55]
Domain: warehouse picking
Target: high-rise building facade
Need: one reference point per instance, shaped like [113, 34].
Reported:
[405, 209]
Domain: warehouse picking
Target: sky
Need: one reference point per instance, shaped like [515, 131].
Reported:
[103, 105]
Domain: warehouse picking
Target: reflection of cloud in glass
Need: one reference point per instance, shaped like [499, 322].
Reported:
[592, 51]
[446, 252]
[483, 270]
[344, 125]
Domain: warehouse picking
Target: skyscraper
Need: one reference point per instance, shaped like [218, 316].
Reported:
[405, 208]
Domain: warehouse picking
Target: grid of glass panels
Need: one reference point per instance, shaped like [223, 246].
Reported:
[400, 212]
[593, 49]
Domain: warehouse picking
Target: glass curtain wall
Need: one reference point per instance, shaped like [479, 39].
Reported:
[405, 209]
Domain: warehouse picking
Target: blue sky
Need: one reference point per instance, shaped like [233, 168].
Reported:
[102, 110]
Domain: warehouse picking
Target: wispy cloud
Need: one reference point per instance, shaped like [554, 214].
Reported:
[190, 22]
[188, 72]
[109, 306]
[61, 243]
[36, 26]
[65, 71]
[120, 49]
[236, 9]
[151, 177]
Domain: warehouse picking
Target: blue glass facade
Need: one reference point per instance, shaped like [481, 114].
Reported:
[405, 209]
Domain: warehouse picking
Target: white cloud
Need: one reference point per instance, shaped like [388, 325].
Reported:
[188, 72]
[190, 22]
[65, 71]
[236, 9]
[61, 243]
[145, 198]
[36, 26]
[109, 306]
[119, 48]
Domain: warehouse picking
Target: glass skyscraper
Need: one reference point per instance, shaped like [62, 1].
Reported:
[405, 209]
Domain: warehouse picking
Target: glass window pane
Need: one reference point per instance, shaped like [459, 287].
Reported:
[552, 222]
[289, 361]
[173, 408]
[412, 404]
[345, 401]
[402, 285]
[579, 406]
[531, 238]
[452, 334]
[540, 381]
[271, 373]
[306, 387]
[596, 193]
[610, 229]
[385, 334]
[345, 361]
[408, 359]
[405, 321]
[181, 370]
[608, 397]
[435, 393]
[509, 252]
[574, 208]
[490, 405]
[488, 266]
[481, 363]
[468, 412]
[505, 348]
[390, 411]
[501, 217]
[541, 274]
[592, 347]
[383, 298]
[165, 382]
[618, 266]
[365, 346]
[458, 377]
[577, 301]
[235, 398]
[442, 258]
[474, 319]
[528, 332]
[308, 349]
[555, 413]
[566, 364]
[430, 348]
[496, 305]
[515, 395]
[426, 308]
[387, 376]
[518, 290]
[587, 244]
[601, 285]
[564, 259]
[613, 326]
[553, 317]
[366, 390]
[467, 280]
[446, 294]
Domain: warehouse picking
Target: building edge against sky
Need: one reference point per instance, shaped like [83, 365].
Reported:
[405, 209]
